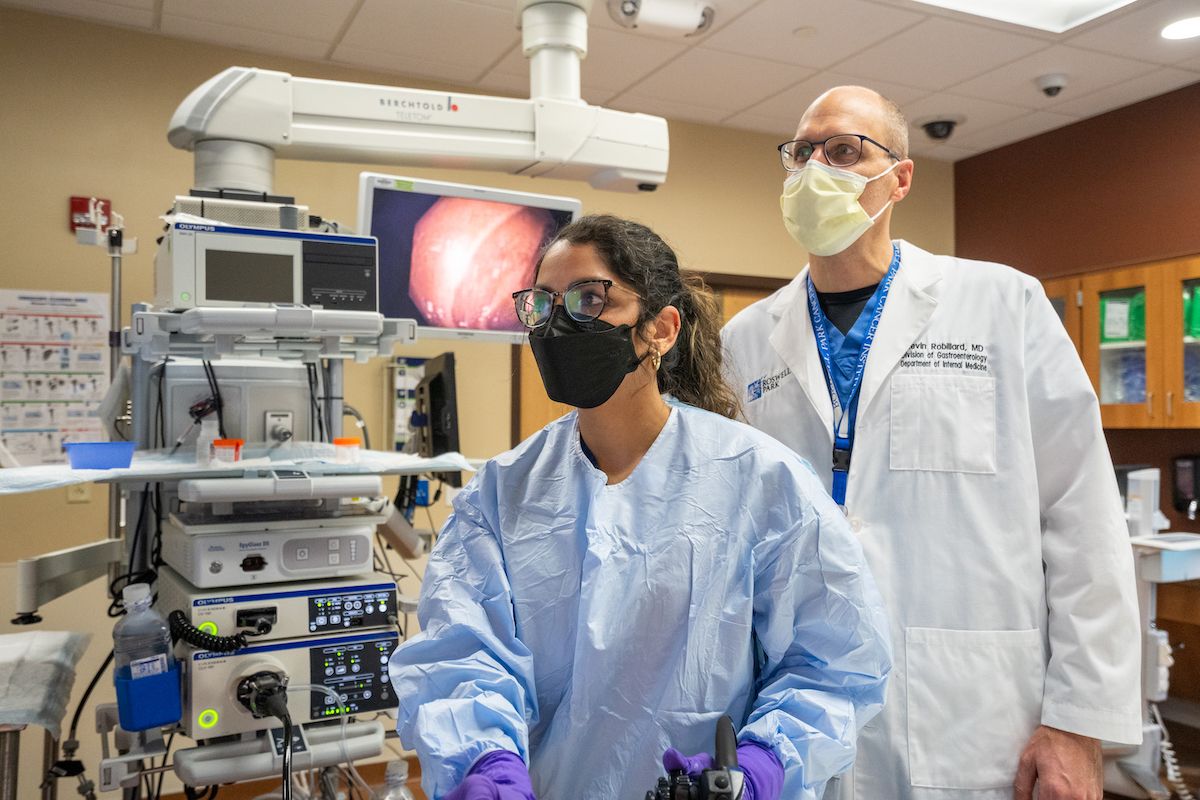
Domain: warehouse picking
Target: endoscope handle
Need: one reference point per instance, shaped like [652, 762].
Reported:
[726, 755]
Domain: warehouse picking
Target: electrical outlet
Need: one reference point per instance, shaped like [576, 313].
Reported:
[79, 493]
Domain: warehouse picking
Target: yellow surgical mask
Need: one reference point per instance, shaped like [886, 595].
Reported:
[821, 209]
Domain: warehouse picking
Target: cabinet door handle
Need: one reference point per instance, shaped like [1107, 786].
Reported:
[1170, 405]
[1150, 404]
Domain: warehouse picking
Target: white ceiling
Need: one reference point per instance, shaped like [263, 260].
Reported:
[759, 66]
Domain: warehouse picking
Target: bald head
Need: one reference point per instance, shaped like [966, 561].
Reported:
[866, 110]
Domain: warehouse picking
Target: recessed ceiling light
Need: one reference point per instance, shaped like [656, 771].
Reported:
[1183, 29]
[1055, 16]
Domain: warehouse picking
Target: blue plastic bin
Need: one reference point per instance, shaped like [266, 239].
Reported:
[100, 455]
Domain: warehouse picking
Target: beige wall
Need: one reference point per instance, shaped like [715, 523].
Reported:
[84, 111]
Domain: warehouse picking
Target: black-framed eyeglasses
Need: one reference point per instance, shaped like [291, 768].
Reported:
[583, 301]
[843, 150]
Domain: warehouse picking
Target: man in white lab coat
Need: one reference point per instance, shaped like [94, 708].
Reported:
[971, 463]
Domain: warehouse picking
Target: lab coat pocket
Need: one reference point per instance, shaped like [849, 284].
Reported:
[943, 423]
[974, 699]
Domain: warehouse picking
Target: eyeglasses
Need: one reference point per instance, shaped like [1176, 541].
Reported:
[583, 302]
[843, 150]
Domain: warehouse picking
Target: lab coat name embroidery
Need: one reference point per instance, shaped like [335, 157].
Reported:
[768, 383]
[958, 356]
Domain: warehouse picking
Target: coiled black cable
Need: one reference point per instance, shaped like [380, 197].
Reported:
[183, 630]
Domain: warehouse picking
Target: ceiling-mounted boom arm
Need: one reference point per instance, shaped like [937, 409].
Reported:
[240, 120]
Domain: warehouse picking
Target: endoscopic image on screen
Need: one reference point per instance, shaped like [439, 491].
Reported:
[454, 262]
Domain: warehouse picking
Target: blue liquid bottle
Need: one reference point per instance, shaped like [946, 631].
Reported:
[145, 671]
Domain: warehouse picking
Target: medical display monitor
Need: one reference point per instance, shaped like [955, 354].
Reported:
[451, 255]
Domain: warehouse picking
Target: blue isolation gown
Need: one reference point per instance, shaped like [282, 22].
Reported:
[588, 627]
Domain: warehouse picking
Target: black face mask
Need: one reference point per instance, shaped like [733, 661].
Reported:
[582, 364]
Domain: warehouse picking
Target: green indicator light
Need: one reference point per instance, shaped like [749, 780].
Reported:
[208, 627]
[208, 718]
[185, 296]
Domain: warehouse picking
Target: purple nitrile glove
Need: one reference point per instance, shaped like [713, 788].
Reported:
[758, 763]
[499, 775]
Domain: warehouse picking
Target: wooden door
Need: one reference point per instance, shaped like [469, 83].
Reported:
[1067, 298]
[1122, 345]
[1181, 340]
[535, 410]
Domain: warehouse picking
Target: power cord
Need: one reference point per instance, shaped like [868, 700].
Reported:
[1170, 760]
[183, 629]
[318, 416]
[215, 389]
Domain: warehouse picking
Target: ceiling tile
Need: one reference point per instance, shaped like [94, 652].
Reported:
[243, 38]
[619, 60]
[315, 20]
[404, 64]
[508, 83]
[792, 102]
[506, 5]
[712, 79]
[782, 127]
[1012, 131]
[1087, 71]
[1160, 81]
[671, 109]
[810, 33]
[980, 114]
[471, 37]
[938, 53]
[123, 14]
[515, 63]
[1136, 34]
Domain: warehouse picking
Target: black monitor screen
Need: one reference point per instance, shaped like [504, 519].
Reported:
[248, 277]
[437, 402]
[454, 262]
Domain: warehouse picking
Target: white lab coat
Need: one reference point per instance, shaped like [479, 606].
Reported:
[983, 494]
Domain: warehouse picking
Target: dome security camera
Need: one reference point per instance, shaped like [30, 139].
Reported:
[663, 17]
[1051, 84]
[940, 128]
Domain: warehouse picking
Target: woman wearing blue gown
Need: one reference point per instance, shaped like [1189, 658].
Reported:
[609, 588]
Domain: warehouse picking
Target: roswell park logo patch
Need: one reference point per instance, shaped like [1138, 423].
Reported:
[768, 383]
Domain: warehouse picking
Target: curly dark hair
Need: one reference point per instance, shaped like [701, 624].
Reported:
[691, 370]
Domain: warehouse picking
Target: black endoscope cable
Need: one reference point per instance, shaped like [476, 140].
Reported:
[265, 695]
[183, 629]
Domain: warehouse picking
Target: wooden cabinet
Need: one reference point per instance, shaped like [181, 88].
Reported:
[1123, 345]
[1181, 351]
[1067, 298]
[1138, 332]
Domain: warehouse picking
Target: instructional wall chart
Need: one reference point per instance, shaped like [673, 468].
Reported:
[53, 371]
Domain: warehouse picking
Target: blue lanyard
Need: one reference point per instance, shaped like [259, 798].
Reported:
[843, 415]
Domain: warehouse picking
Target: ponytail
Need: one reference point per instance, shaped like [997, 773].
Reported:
[691, 372]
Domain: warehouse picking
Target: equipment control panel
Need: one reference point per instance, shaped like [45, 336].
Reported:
[335, 605]
[353, 665]
[357, 671]
[337, 612]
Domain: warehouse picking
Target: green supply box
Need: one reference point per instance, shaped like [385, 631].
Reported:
[1123, 317]
[1191, 312]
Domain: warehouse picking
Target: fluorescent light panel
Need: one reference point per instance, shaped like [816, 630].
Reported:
[1183, 29]
[1055, 16]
